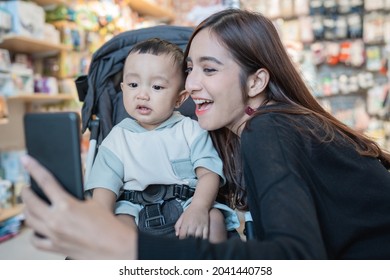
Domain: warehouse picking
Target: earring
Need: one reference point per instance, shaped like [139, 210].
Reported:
[249, 111]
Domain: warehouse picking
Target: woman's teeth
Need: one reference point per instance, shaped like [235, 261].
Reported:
[202, 102]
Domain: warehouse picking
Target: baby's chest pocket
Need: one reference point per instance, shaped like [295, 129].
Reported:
[183, 168]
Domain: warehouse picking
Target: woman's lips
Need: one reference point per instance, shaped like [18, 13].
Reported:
[202, 109]
[202, 106]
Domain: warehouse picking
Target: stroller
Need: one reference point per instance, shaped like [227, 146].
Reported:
[101, 94]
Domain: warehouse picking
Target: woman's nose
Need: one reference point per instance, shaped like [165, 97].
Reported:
[192, 83]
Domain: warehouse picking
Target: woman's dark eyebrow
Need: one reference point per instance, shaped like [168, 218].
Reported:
[210, 58]
[206, 58]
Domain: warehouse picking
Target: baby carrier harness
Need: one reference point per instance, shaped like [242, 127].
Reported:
[161, 208]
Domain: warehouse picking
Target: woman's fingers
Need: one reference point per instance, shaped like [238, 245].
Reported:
[44, 179]
[34, 210]
[40, 216]
[42, 243]
[178, 226]
[205, 233]
[30, 198]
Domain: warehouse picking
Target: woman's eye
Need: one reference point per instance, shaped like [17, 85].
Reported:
[209, 70]
[188, 70]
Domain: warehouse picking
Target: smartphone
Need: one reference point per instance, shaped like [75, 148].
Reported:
[54, 140]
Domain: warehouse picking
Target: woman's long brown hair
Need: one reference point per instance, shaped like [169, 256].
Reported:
[254, 43]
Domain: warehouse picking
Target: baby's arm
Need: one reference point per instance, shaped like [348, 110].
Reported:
[105, 197]
[195, 219]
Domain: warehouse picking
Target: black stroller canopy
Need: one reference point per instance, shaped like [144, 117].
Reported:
[100, 89]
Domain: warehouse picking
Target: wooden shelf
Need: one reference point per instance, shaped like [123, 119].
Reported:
[24, 44]
[143, 7]
[49, 2]
[147, 8]
[41, 98]
[10, 212]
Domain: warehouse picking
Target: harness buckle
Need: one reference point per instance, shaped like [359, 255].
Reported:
[153, 193]
[155, 221]
[129, 196]
[182, 192]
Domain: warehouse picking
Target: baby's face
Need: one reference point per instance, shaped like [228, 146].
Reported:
[151, 86]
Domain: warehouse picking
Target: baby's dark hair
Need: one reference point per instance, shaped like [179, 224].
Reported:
[158, 46]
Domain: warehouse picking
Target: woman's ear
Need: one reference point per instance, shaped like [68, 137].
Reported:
[258, 82]
[183, 95]
[122, 86]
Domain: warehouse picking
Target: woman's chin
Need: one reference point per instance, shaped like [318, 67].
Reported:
[207, 123]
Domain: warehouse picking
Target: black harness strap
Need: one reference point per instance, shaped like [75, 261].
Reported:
[157, 194]
[153, 198]
[154, 215]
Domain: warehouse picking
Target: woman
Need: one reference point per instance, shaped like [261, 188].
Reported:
[316, 188]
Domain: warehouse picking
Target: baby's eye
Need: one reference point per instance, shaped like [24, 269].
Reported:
[132, 85]
[156, 87]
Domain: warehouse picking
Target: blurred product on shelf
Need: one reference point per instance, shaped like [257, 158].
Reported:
[59, 13]
[51, 34]
[5, 61]
[22, 78]
[28, 18]
[46, 85]
[5, 193]
[10, 227]
[5, 21]
[6, 85]
[12, 168]
[3, 112]
[343, 53]
[203, 9]
[10, 209]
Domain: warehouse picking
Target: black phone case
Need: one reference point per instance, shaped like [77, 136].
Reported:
[54, 140]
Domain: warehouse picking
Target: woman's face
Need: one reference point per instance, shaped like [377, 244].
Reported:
[213, 82]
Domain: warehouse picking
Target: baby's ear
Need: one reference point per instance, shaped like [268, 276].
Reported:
[183, 95]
